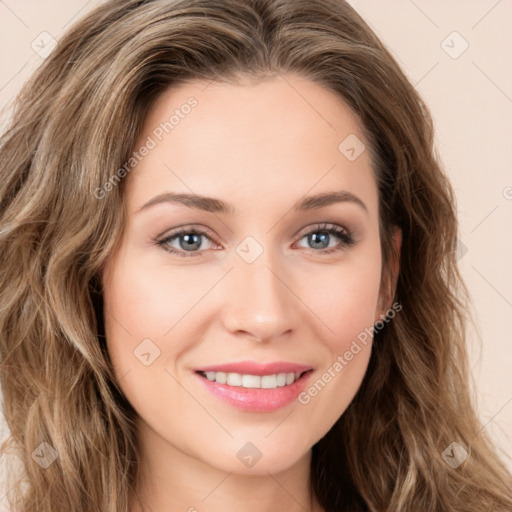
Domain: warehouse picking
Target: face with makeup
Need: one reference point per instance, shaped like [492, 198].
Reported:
[250, 262]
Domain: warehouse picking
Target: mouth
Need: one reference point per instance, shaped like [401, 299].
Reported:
[255, 388]
[240, 380]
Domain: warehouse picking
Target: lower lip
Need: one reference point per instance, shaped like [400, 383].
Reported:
[256, 399]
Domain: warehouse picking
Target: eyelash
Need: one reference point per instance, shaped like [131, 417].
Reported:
[343, 234]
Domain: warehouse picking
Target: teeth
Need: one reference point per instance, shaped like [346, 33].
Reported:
[253, 381]
[234, 379]
[269, 381]
[220, 377]
[281, 379]
[250, 381]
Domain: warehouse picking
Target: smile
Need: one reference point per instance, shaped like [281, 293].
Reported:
[253, 381]
[276, 386]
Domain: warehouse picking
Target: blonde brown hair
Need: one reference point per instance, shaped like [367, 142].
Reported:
[75, 124]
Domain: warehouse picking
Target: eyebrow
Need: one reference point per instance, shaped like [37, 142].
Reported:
[213, 205]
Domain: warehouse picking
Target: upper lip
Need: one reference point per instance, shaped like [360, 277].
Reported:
[255, 368]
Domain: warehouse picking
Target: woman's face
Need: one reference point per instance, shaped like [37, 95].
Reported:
[258, 291]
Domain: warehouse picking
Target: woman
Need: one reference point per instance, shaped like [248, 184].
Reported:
[177, 176]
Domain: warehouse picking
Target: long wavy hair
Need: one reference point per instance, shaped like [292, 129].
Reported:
[74, 125]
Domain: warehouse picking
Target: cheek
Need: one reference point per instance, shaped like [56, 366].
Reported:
[144, 306]
[350, 308]
[147, 302]
[345, 297]
[347, 306]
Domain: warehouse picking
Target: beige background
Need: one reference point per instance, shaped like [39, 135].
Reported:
[470, 96]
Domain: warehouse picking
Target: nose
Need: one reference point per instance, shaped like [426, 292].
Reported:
[260, 301]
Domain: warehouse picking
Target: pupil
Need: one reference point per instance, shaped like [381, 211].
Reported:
[192, 243]
[324, 243]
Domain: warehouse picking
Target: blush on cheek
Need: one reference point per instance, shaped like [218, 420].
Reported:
[348, 313]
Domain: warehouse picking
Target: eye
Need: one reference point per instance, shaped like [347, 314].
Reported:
[321, 235]
[190, 240]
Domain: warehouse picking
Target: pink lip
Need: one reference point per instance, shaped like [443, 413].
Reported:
[254, 399]
[253, 368]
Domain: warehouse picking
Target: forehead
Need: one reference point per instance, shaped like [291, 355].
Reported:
[277, 138]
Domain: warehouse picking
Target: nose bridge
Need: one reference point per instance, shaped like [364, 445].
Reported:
[259, 301]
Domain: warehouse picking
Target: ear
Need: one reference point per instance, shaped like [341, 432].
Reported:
[390, 276]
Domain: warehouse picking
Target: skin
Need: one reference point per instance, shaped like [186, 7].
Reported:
[260, 146]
